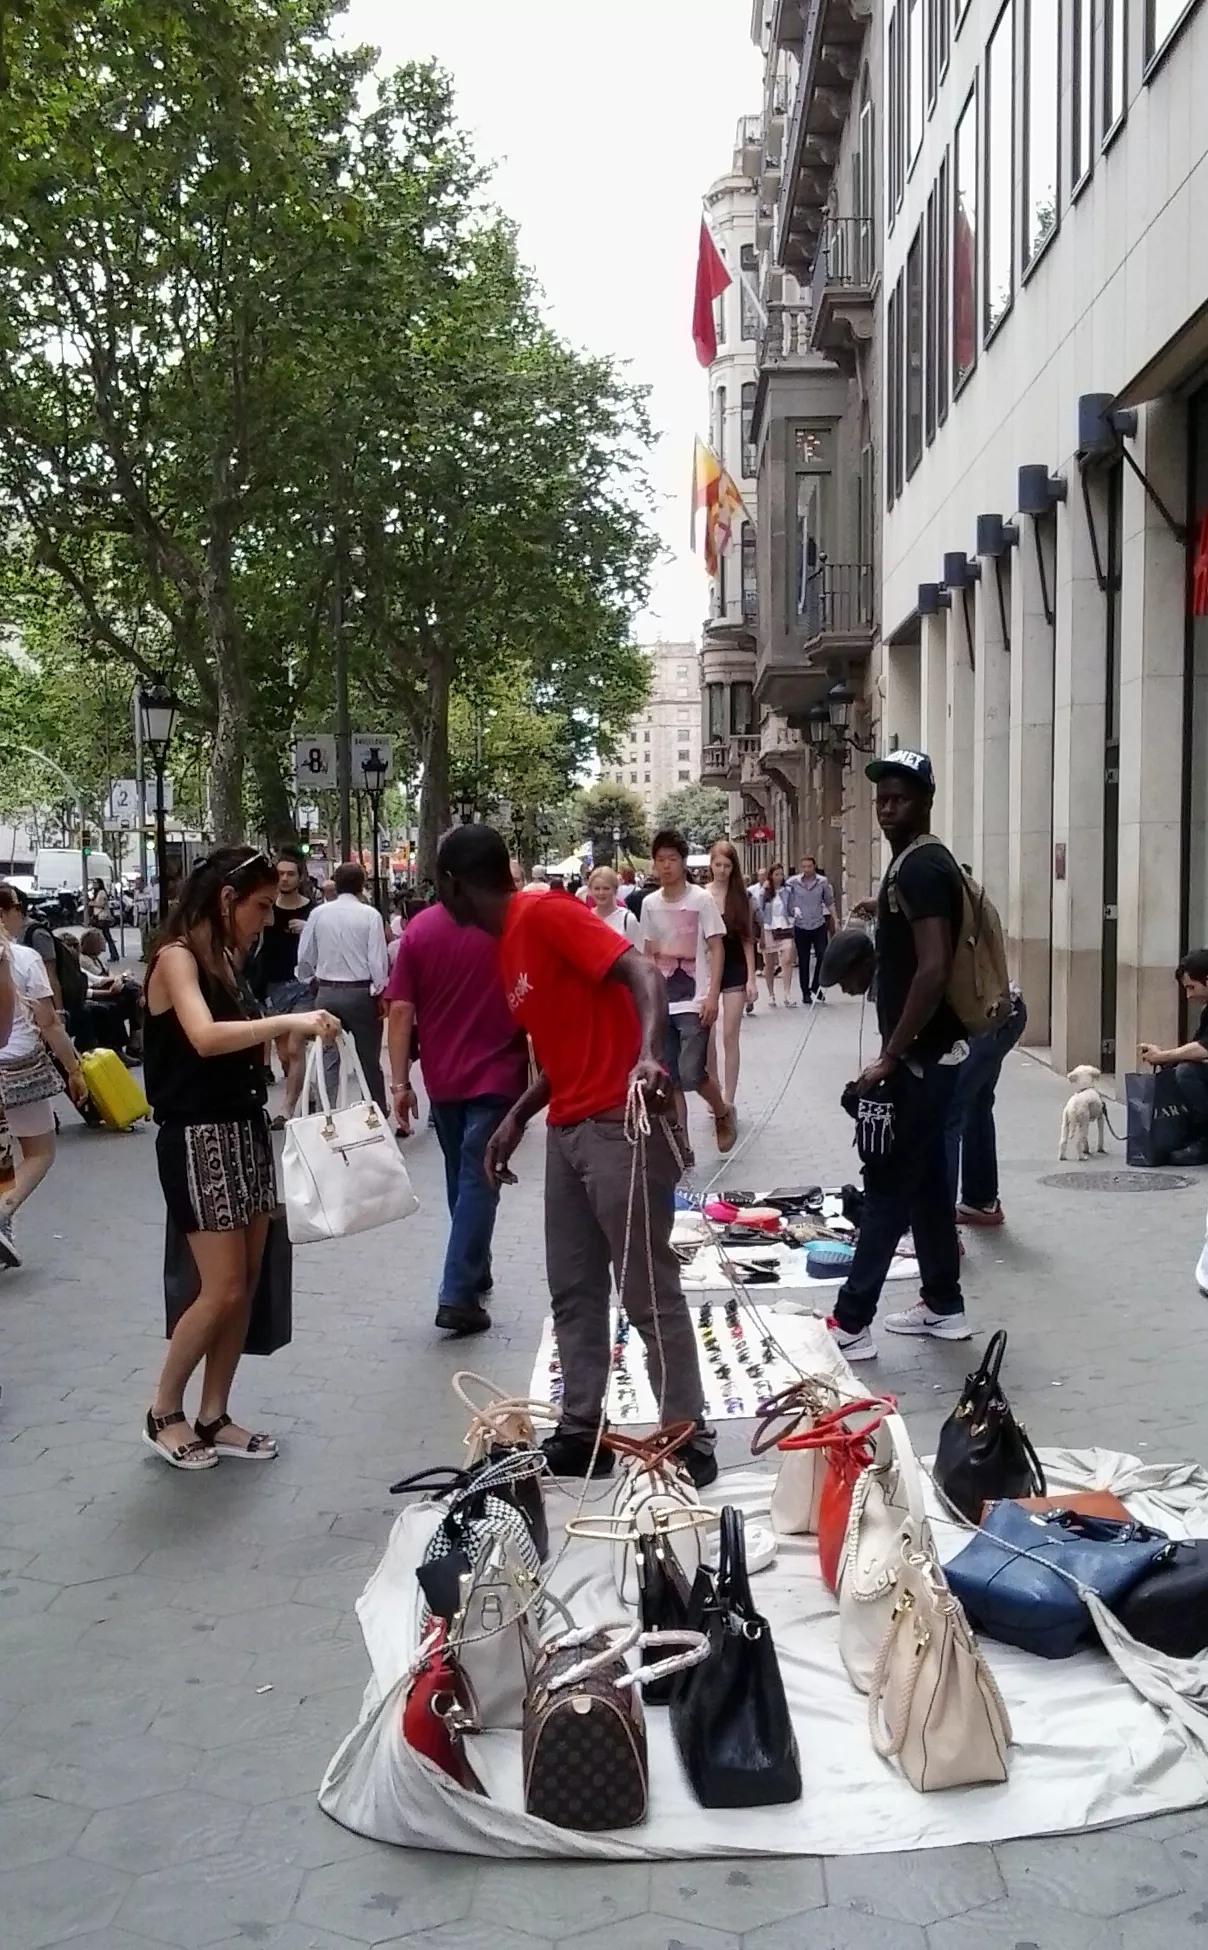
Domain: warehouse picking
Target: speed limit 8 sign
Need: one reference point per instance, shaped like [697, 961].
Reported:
[315, 759]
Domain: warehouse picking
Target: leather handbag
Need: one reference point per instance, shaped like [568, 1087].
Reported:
[1168, 1608]
[983, 1453]
[730, 1718]
[435, 1716]
[479, 1512]
[653, 1494]
[503, 1426]
[664, 1598]
[495, 1634]
[886, 1524]
[341, 1170]
[1022, 1576]
[584, 1738]
[846, 1451]
[933, 1706]
[799, 1479]
[1084, 1503]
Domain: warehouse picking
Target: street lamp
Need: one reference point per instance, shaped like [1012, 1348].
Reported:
[817, 727]
[616, 846]
[158, 711]
[465, 810]
[840, 705]
[376, 769]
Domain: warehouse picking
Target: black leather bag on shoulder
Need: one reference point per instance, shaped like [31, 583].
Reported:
[984, 1455]
[729, 1716]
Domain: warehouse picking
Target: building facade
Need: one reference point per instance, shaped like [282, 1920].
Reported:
[1044, 597]
[660, 750]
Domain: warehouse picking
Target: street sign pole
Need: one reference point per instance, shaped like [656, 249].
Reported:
[343, 719]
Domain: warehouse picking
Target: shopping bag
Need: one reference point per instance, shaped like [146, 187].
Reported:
[271, 1320]
[341, 1169]
[1158, 1121]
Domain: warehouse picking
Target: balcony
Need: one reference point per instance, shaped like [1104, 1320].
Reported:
[749, 147]
[786, 334]
[834, 626]
[830, 64]
[723, 761]
[788, 22]
[844, 288]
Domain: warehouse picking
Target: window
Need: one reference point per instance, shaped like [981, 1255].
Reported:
[1082, 92]
[1161, 19]
[645, 737]
[813, 449]
[1000, 171]
[633, 778]
[749, 602]
[721, 583]
[893, 393]
[943, 290]
[934, 287]
[864, 194]
[867, 521]
[914, 80]
[1042, 57]
[683, 777]
[715, 712]
[934, 8]
[942, 30]
[742, 710]
[964, 245]
[645, 778]
[750, 460]
[719, 318]
[893, 67]
[914, 352]
[748, 310]
[1115, 45]
[720, 442]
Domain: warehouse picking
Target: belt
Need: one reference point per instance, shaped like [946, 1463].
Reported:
[614, 1115]
[330, 982]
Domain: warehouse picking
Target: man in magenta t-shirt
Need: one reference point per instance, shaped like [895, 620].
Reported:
[446, 985]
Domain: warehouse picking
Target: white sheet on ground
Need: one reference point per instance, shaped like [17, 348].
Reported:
[1096, 1742]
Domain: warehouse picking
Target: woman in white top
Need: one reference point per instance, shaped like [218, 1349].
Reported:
[602, 891]
[29, 1083]
[777, 936]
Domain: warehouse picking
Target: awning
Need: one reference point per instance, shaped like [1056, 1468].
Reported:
[1180, 358]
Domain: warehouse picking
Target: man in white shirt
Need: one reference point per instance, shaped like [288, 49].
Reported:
[681, 930]
[343, 950]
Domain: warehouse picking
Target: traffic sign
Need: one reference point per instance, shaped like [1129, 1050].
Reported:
[121, 810]
[315, 759]
[367, 745]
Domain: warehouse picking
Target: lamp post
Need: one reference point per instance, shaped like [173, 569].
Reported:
[616, 846]
[465, 810]
[158, 710]
[375, 768]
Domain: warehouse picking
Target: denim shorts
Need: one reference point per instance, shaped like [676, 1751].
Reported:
[287, 998]
[687, 1050]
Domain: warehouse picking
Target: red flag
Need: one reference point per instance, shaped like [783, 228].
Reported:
[712, 279]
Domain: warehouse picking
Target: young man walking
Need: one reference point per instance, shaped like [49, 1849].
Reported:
[810, 904]
[284, 992]
[681, 930]
[343, 949]
[597, 1015]
[923, 1043]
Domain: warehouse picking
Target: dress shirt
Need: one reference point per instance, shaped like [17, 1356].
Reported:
[344, 941]
[808, 902]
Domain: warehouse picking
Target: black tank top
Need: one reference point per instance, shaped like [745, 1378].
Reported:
[185, 1088]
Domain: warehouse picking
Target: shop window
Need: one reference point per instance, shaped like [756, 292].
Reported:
[915, 19]
[1082, 92]
[1115, 65]
[1042, 57]
[964, 245]
[932, 317]
[999, 286]
[914, 353]
[943, 291]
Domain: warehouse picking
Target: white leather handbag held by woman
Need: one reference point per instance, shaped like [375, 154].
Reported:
[341, 1169]
[887, 1522]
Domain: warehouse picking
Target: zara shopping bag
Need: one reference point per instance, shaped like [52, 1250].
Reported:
[271, 1317]
[341, 1170]
[1157, 1118]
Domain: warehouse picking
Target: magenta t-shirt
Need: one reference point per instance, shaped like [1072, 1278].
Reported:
[469, 1044]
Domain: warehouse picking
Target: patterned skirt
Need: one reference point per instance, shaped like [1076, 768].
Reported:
[217, 1177]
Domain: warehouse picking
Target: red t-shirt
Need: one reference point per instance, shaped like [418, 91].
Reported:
[555, 957]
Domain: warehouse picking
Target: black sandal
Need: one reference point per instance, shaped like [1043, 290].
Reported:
[258, 1448]
[190, 1455]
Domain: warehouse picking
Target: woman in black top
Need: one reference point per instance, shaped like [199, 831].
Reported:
[738, 962]
[204, 1075]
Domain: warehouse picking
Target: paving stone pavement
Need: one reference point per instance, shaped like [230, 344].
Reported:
[151, 1793]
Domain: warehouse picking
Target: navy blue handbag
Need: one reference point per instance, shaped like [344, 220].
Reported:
[1022, 1577]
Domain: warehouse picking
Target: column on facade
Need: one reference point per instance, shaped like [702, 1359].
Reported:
[955, 795]
[1078, 733]
[861, 860]
[1152, 655]
[900, 716]
[1028, 915]
[992, 727]
[933, 701]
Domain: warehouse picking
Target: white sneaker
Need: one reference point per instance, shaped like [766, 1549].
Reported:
[853, 1347]
[9, 1256]
[919, 1319]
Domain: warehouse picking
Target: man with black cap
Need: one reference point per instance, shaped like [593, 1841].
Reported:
[923, 1043]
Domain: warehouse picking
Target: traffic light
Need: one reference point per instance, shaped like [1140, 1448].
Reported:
[86, 838]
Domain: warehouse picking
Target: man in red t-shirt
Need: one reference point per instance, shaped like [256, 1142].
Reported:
[596, 1012]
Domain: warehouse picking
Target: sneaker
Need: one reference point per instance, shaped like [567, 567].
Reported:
[726, 1127]
[463, 1320]
[853, 1347]
[701, 1465]
[819, 995]
[980, 1215]
[570, 1455]
[9, 1256]
[1191, 1154]
[920, 1319]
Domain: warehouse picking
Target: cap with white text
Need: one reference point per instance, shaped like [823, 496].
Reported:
[904, 764]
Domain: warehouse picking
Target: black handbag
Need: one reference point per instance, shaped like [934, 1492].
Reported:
[729, 1716]
[984, 1455]
[520, 1487]
[270, 1322]
[664, 1599]
[1168, 1609]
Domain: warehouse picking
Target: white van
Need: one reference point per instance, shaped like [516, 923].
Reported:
[56, 867]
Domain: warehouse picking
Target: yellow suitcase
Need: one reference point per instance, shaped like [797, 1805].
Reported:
[117, 1095]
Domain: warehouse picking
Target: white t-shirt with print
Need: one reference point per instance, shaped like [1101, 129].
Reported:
[674, 933]
[621, 921]
[32, 984]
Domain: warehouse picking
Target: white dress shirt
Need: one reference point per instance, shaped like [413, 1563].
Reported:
[344, 941]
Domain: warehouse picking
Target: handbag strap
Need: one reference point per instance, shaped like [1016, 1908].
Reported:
[655, 1450]
[314, 1081]
[890, 1743]
[694, 1650]
[625, 1530]
[893, 1447]
[986, 1376]
[496, 1419]
[517, 1467]
[831, 1430]
[1037, 1467]
[452, 1479]
[350, 1065]
[628, 1636]
[733, 1584]
[811, 1396]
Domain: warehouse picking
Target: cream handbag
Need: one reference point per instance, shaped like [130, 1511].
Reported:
[502, 1617]
[933, 1705]
[653, 1497]
[802, 1472]
[887, 1522]
[341, 1169]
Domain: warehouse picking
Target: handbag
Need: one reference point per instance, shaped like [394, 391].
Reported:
[1022, 1576]
[886, 1524]
[270, 1321]
[584, 1740]
[502, 1615]
[799, 1479]
[933, 1705]
[846, 1451]
[984, 1454]
[479, 1512]
[1168, 1608]
[434, 1712]
[341, 1170]
[653, 1494]
[1084, 1503]
[503, 1426]
[664, 1600]
[1157, 1119]
[730, 1718]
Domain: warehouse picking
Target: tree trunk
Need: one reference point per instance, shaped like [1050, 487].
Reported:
[276, 809]
[230, 682]
[434, 757]
[226, 771]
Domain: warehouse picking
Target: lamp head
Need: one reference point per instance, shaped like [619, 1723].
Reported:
[995, 536]
[933, 597]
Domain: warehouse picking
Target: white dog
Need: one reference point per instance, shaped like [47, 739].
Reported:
[1084, 1108]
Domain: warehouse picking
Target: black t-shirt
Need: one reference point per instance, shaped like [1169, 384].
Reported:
[1201, 1034]
[929, 884]
[278, 957]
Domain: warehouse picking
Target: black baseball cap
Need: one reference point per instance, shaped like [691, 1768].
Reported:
[909, 765]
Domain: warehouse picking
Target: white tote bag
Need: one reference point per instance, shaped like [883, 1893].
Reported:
[887, 1523]
[341, 1168]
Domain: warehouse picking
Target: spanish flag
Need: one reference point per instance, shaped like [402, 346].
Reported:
[712, 278]
[715, 491]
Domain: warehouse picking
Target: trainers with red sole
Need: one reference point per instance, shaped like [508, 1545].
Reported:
[980, 1215]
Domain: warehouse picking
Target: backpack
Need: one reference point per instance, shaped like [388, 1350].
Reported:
[73, 983]
[979, 987]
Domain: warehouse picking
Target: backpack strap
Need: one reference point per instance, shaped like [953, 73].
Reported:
[896, 904]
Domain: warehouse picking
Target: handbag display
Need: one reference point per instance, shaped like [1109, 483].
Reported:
[270, 1323]
[584, 1741]
[887, 1523]
[341, 1170]
[652, 1494]
[495, 1634]
[730, 1717]
[799, 1479]
[434, 1712]
[845, 1452]
[1022, 1576]
[984, 1454]
[503, 1426]
[480, 1511]
[1084, 1503]
[933, 1705]
[1168, 1608]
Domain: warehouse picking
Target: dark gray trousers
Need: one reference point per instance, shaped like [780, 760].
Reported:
[357, 1009]
[587, 1196]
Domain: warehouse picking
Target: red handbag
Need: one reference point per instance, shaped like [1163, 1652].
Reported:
[848, 1452]
[435, 1711]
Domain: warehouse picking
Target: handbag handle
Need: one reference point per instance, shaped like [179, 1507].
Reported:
[809, 1396]
[596, 1661]
[489, 1420]
[1037, 1467]
[350, 1062]
[623, 1530]
[694, 1651]
[893, 1446]
[831, 1431]
[518, 1467]
[653, 1451]
[890, 1741]
[314, 1081]
[991, 1363]
[422, 1479]
[733, 1586]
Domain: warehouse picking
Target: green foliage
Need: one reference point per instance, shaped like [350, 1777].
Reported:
[700, 812]
[602, 809]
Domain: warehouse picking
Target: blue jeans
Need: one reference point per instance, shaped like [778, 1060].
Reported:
[909, 1188]
[463, 1130]
[969, 1138]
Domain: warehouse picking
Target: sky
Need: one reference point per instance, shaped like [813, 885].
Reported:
[606, 124]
